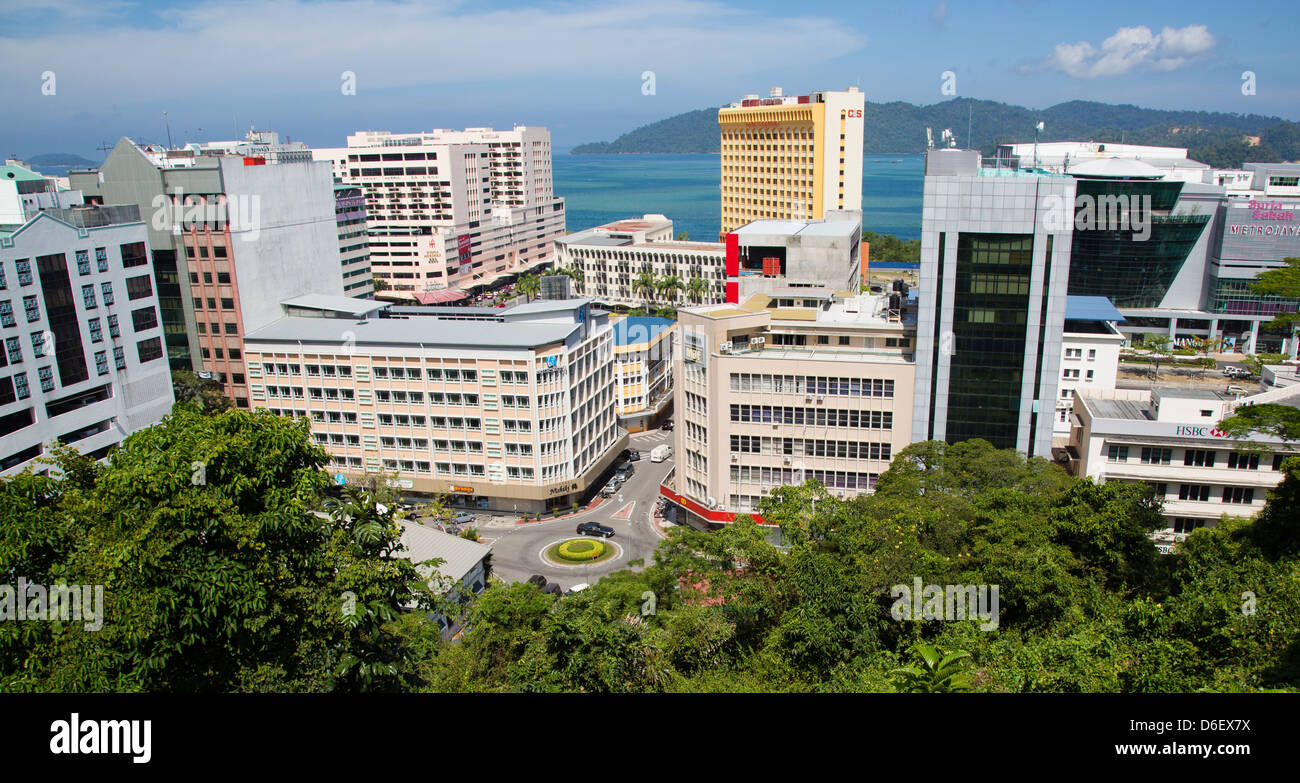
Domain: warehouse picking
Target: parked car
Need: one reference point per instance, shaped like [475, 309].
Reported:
[661, 453]
[1233, 371]
[462, 518]
[625, 471]
[537, 579]
[609, 490]
[668, 425]
[595, 529]
[631, 455]
[578, 588]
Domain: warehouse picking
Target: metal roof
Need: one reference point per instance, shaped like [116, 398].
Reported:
[639, 329]
[428, 331]
[1090, 308]
[334, 304]
[459, 555]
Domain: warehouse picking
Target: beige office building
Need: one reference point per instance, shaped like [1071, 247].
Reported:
[508, 409]
[771, 394]
[790, 157]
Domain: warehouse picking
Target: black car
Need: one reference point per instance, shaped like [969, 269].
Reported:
[537, 579]
[595, 529]
[668, 425]
[631, 455]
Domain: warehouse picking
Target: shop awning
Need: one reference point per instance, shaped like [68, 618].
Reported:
[440, 297]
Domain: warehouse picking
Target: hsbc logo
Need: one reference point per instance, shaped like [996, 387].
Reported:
[1200, 432]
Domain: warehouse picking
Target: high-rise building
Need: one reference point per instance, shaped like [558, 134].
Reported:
[240, 236]
[451, 211]
[82, 360]
[509, 409]
[354, 240]
[995, 262]
[768, 394]
[643, 365]
[790, 157]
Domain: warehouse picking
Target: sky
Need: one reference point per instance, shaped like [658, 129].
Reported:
[78, 74]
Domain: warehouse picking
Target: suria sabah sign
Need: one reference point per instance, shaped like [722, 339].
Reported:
[1270, 210]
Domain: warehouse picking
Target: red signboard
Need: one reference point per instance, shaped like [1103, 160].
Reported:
[462, 248]
[733, 255]
[733, 293]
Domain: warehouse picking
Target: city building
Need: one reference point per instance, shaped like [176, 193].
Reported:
[995, 262]
[82, 360]
[230, 237]
[1090, 348]
[790, 157]
[453, 210]
[769, 395]
[1169, 439]
[643, 367]
[509, 409]
[622, 262]
[793, 258]
[462, 567]
[24, 192]
[265, 145]
[354, 241]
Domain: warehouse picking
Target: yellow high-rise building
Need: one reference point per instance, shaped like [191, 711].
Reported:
[790, 157]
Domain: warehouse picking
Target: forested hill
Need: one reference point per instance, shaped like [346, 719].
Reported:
[1215, 138]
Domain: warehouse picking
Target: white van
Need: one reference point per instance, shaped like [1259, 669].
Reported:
[661, 453]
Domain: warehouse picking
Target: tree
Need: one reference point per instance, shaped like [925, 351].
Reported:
[574, 273]
[940, 671]
[204, 394]
[1280, 421]
[646, 283]
[1255, 364]
[696, 288]
[379, 284]
[683, 236]
[1284, 283]
[668, 286]
[218, 572]
[1156, 346]
[529, 286]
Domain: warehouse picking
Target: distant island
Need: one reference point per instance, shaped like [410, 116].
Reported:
[56, 164]
[1219, 139]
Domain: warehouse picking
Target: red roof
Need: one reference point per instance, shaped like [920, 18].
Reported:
[440, 297]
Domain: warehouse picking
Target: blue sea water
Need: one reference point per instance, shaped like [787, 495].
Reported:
[601, 188]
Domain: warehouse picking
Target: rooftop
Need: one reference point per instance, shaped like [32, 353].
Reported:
[639, 329]
[1090, 308]
[459, 555]
[334, 304]
[430, 331]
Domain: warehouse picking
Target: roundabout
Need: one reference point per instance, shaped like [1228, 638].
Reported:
[581, 551]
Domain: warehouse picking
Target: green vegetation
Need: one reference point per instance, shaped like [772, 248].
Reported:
[579, 550]
[887, 247]
[205, 394]
[1215, 138]
[238, 581]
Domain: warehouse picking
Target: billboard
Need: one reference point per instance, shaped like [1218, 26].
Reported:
[1261, 231]
[462, 250]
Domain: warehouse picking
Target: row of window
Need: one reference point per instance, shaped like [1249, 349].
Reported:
[820, 417]
[838, 479]
[1198, 458]
[754, 444]
[818, 385]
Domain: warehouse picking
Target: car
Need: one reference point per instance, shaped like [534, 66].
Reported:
[1237, 390]
[625, 471]
[609, 490]
[539, 580]
[595, 529]
[578, 588]
[631, 455]
[1233, 371]
[462, 518]
[668, 425]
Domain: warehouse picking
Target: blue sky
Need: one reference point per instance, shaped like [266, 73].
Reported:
[216, 68]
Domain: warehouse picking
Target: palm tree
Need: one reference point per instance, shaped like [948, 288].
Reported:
[942, 671]
[574, 273]
[668, 286]
[696, 288]
[529, 286]
[645, 283]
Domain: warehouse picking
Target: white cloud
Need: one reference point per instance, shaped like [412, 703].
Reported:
[297, 46]
[939, 15]
[1130, 49]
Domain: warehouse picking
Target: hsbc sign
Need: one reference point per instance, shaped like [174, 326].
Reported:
[1199, 432]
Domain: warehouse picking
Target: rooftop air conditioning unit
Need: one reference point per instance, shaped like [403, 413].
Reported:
[756, 340]
[725, 347]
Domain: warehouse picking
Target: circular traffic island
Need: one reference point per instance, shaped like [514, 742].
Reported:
[581, 551]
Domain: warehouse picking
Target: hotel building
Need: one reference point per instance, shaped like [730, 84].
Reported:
[240, 235]
[790, 157]
[768, 395]
[994, 267]
[449, 211]
[507, 409]
[643, 365]
[82, 359]
[1168, 439]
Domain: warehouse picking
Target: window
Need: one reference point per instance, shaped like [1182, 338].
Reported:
[24, 267]
[138, 287]
[1238, 495]
[46, 376]
[106, 288]
[20, 386]
[144, 318]
[1117, 454]
[83, 262]
[6, 313]
[1243, 461]
[113, 330]
[119, 358]
[38, 344]
[1200, 492]
[151, 349]
[1187, 524]
[101, 362]
[32, 309]
[88, 297]
[1199, 458]
[96, 330]
[133, 254]
[14, 348]
[231, 328]
[1153, 456]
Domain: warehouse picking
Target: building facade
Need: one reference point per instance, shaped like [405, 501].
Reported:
[790, 157]
[768, 396]
[643, 365]
[82, 359]
[1169, 440]
[1090, 348]
[354, 241]
[453, 209]
[508, 409]
[995, 262]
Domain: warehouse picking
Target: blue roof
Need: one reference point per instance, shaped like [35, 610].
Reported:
[639, 329]
[1090, 308]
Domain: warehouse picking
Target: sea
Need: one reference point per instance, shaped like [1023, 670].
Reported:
[599, 189]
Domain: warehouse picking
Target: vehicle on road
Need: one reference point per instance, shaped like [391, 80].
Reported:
[1237, 390]
[537, 579]
[1233, 371]
[459, 518]
[595, 529]
[625, 471]
[668, 425]
[609, 490]
[578, 588]
[631, 455]
[661, 453]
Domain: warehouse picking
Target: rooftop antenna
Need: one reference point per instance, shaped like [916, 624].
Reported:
[1037, 128]
[929, 139]
[169, 130]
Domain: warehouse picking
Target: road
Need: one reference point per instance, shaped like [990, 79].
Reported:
[517, 549]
